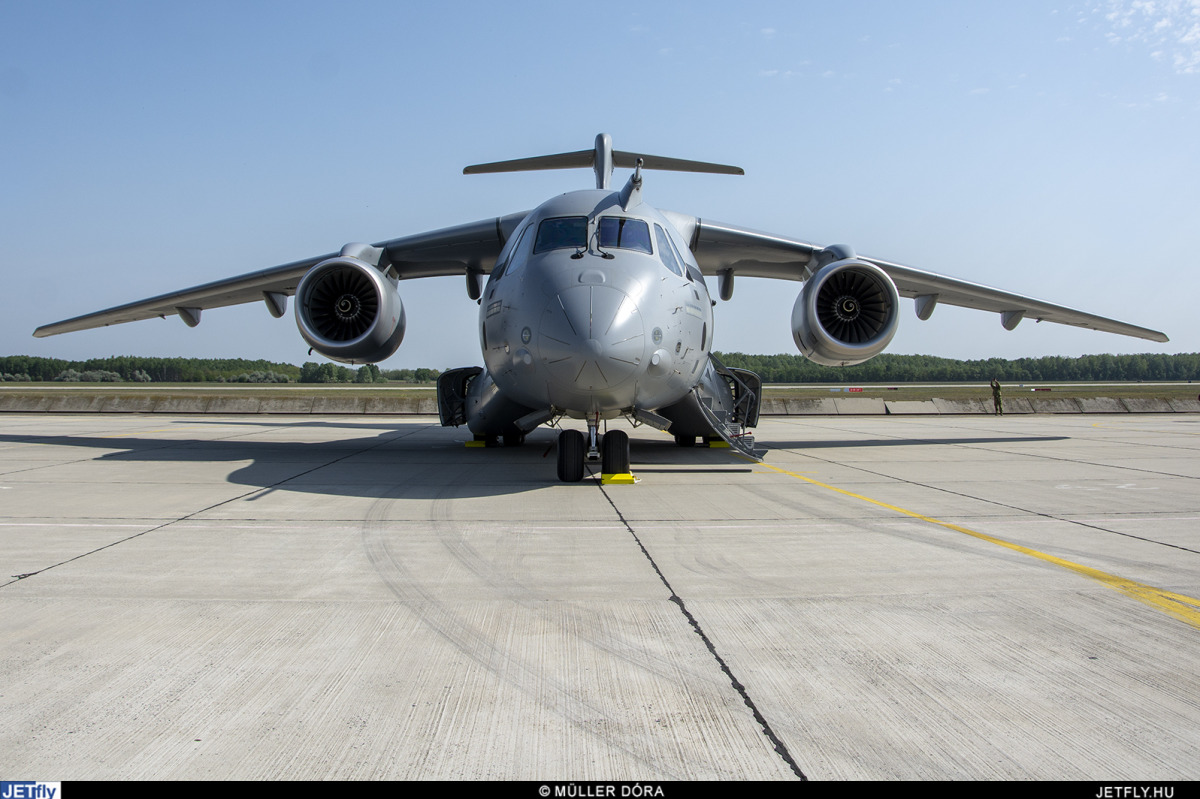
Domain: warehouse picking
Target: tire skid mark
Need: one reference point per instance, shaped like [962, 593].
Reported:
[547, 691]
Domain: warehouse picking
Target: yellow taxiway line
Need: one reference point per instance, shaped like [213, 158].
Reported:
[1182, 607]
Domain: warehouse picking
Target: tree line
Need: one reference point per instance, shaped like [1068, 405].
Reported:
[771, 368]
[928, 369]
[367, 373]
[158, 370]
[135, 369]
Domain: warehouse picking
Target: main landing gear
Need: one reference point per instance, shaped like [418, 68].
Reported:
[574, 449]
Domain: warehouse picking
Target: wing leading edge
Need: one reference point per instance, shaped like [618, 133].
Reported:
[720, 249]
[733, 250]
[472, 247]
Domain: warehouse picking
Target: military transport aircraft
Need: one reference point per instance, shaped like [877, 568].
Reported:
[595, 308]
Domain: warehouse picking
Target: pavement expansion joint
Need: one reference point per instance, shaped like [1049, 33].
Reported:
[778, 745]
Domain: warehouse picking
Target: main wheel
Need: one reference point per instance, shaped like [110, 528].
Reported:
[685, 441]
[571, 447]
[514, 439]
[614, 452]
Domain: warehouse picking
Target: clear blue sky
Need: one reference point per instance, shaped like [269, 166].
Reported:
[152, 146]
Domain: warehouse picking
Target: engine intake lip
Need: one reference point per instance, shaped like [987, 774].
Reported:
[348, 311]
[853, 306]
[846, 313]
[339, 301]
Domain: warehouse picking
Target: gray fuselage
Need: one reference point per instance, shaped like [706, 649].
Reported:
[595, 310]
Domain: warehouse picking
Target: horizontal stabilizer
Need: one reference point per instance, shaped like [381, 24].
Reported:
[629, 160]
[602, 159]
[538, 162]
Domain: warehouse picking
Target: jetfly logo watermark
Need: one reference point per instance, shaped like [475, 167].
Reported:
[30, 790]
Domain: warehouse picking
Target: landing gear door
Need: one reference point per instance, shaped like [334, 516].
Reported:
[452, 394]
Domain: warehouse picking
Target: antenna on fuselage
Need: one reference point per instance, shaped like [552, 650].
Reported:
[631, 195]
[602, 159]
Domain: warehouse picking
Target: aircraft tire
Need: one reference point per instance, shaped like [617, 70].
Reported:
[571, 447]
[513, 439]
[685, 441]
[614, 452]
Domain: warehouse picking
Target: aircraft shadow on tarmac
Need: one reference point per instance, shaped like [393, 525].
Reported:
[907, 442]
[422, 461]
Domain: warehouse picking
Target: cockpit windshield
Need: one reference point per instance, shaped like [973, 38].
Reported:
[567, 231]
[629, 234]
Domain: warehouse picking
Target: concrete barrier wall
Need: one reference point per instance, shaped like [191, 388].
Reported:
[1054, 405]
[66, 402]
[182, 405]
[1185, 406]
[858, 406]
[802, 407]
[1100, 405]
[1146, 405]
[920, 407]
[1013, 405]
[339, 405]
[956, 406]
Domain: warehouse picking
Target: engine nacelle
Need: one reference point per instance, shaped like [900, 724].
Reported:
[348, 311]
[846, 313]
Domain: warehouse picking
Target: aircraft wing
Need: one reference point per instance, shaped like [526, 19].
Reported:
[719, 247]
[446, 252]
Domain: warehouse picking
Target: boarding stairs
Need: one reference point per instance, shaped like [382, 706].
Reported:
[732, 425]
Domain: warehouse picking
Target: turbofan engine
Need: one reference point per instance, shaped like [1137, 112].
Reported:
[845, 314]
[348, 311]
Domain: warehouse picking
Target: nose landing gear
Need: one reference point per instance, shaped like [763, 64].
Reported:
[574, 449]
[615, 459]
[570, 456]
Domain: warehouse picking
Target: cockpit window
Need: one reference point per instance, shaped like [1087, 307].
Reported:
[666, 252]
[513, 263]
[555, 234]
[629, 234]
[500, 268]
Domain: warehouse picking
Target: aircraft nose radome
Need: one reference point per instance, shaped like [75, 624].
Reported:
[591, 337]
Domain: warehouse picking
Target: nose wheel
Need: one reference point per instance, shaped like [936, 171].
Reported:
[615, 453]
[571, 447]
[573, 451]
